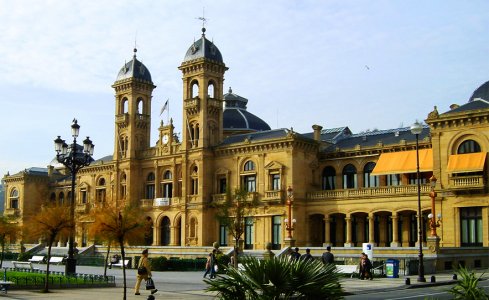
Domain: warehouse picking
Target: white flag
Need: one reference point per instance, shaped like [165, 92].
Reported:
[165, 106]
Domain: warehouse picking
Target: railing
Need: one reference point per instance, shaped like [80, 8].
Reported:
[211, 102]
[11, 212]
[219, 198]
[274, 195]
[465, 182]
[82, 208]
[192, 103]
[122, 118]
[369, 192]
[146, 202]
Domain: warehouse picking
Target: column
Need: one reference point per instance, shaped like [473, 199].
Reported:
[371, 228]
[348, 242]
[156, 234]
[327, 231]
[405, 230]
[395, 229]
[382, 231]
[173, 236]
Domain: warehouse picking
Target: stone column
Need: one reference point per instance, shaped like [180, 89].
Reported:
[371, 228]
[395, 229]
[156, 234]
[405, 230]
[348, 242]
[173, 236]
[327, 231]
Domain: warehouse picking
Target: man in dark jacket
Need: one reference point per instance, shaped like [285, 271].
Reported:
[295, 255]
[328, 257]
[307, 256]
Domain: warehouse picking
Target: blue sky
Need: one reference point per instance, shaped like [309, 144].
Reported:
[362, 64]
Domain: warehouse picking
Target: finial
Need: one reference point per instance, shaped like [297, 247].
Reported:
[230, 90]
[203, 19]
[135, 50]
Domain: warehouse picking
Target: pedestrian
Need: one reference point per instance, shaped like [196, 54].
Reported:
[307, 256]
[327, 257]
[213, 264]
[113, 260]
[365, 267]
[208, 265]
[295, 255]
[144, 272]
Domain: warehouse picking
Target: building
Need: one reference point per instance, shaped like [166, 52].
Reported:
[348, 189]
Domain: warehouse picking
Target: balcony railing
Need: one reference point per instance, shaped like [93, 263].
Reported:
[82, 208]
[369, 192]
[274, 195]
[467, 182]
[12, 212]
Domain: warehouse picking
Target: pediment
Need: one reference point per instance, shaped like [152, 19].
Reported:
[274, 165]
[222, 171]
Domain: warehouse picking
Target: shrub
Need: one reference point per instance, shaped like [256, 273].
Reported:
[467, 287]
[159, 263]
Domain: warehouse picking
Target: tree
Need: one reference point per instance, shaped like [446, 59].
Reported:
[8, 229]
[232, 212]
[121, 224]
[52, 222]
[278, 278]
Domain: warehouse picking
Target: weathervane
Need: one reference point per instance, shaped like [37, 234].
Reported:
[203, 19]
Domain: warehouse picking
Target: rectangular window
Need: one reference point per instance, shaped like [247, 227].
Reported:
[194, 186]
[394, 180]
[250, 183]
[223, 235]
[471, 229]
[83, 196]
[329, 183]
[370, 180]
[413, 179]
[150, 191]
[167, 190]
[275, 180]
[222, 185]
[14, 203]
[350, 181]
[276, 232]
[248, 233]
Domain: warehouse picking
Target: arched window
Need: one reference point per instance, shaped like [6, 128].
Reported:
[124, 106]
[249, 166]
[370, 180]
[328, 178]
[101, 190]
[194, 181]
[61, 198]
[167, 185]
[194, 89]
[14, 199]
[123, 186]
[349, 177]
[193, 227]
[140, 106]
[210, 89]
[469, 146]
[249, 179]
[150, 186]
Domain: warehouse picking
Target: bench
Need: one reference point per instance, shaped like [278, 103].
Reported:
[56, 260]
[24, 265]
[347, 269]
[5, 285]
[37, 259]
[119, 264]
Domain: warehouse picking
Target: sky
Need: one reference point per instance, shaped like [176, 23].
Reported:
[362, 64]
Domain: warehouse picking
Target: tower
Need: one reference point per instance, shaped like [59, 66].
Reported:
[203, 77]
[133, 92]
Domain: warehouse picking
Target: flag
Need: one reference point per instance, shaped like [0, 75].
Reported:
[165, 106]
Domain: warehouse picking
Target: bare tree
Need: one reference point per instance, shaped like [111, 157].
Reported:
[8, 229]
[52, 222]
[120, 224]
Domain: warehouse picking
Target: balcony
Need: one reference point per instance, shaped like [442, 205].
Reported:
[218, 198]
[192, 105]
[82, 208]
[384, 191]
[145, 203]
[12, 212]
[467, 182]
[274, 196]
[122, 119]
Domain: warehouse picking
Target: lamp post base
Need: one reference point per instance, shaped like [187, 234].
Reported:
[70, 267]
[289, 242]
[421, 279]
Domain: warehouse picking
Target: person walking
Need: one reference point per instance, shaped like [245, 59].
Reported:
[295, 255]
[144, 272]
[213, 264]
[365, 267]
[208, 265]
[307, 256]
[327, 257]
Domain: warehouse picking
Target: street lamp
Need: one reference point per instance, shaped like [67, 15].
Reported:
[73, 157]
[433, 223]
[416, 129]
[289, 222]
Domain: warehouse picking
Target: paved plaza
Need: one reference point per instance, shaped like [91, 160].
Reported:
[190, 285]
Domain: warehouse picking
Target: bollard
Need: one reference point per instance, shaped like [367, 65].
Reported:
[433, 279]
[407, 281]
[454, 277]
[151, 297]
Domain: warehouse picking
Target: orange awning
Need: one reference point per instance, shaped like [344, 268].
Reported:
[403, 162]
[464, 163]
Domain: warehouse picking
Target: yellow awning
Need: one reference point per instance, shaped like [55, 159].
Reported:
[403, 162]
[464, 163]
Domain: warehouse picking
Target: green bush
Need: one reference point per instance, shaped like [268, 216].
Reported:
[467, 287]
[159, 263]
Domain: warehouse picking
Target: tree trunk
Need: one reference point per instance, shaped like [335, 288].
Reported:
[3, 251]
[235, 253]
[107, 260]
[46, 283]
[123, 254]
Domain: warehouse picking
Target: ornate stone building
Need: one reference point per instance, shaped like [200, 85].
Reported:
[348, 188]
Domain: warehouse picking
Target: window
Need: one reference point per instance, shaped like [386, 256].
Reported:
[194, 181]
[471, 226]
[193, 227]
[249, 166]
[394, 179]
[249, 180]
[223, 235]
[61, 199]
[469, 146]
[370, 180]
[210, 89]
[248, 233]
[14, 199]
[167, 185]
[100, 196]
[276, 232]
[413, 179]
[328, 178]
[83, 197]
[349, 177]
[150, 186]
[222, 185]
[275, 182]
[194, 89]
[123, 186]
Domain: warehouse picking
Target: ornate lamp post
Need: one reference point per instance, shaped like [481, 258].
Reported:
[433, 223]
[289, 222]
[416, 129]
[73, 157]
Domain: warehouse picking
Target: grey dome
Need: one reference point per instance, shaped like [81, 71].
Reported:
[134, 69]
[203, 48]
[481, 92]
[236, 117]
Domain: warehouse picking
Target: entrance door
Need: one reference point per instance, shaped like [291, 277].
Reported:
[165, 231]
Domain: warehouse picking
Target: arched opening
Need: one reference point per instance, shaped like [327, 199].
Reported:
[61, 198]
[194, 88]
[370, 180]
[52, 198]
[165, 231]
[148, 231]
[124, 106]
[316, 229]
[178, 231]
[140, 106]
[469, 146]
[210, 89]
[349, 177]
[328, 178]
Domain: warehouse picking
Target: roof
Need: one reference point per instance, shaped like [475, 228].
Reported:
[481, 92]
[203, 48]
[332, 135]
[134, 69]
[474, 104]
[236, 116]
[259, 136]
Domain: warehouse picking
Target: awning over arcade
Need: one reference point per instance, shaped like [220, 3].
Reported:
[403, 162]
[465, 163]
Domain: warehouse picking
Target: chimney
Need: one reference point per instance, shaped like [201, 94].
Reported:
[50, 170]
[317, 132]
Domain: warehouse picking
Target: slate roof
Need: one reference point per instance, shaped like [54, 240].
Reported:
[203, 48]
[331, 134]
[474, 104]
[134, 69]
[236, 116]
[258, 136]
[481, 92]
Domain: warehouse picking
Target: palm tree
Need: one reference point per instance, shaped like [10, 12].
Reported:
[278, 278]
